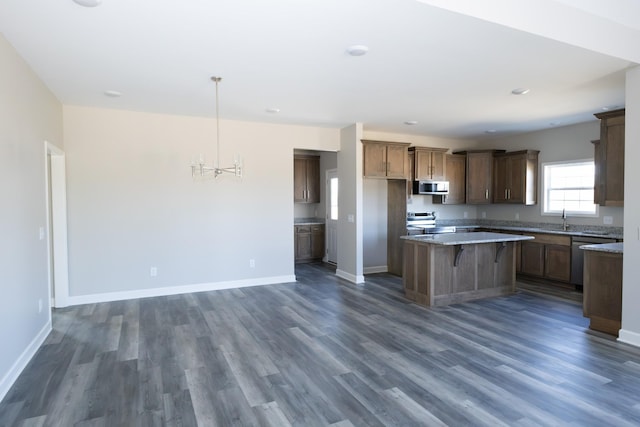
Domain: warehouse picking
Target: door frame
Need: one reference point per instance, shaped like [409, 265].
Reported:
[56, 205]
[329, 173]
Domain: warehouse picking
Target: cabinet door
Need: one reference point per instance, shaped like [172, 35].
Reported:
[479, 176]
[397, 161]
[422, 165]
[438, 166]
[500, 179]
[313, 180]
[299, 180]
[302, 242]
[517, 177]
[455, 174]
[557, 262]
[375, 160]
[317, 241]
[532, 261]
[614, 164]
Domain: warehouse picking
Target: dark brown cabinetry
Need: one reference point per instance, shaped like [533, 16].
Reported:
[602, 301]
[515, 177]
[309, 242]
[306, 179]
[479, 178]
[427, 163]
[455, 173]
[609, 159]
[548, 256]
[387, 160]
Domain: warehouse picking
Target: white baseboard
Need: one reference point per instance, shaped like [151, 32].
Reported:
[628, 337]
[12, 375]
[350, 277]
[175, 290]
[376, 269]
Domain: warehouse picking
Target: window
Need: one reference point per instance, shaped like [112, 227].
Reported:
[569, 186]
[334, 198]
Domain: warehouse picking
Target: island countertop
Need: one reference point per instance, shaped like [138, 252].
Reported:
[615, 248]
[465, 238]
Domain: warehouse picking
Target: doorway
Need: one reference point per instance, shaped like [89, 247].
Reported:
[56, 191]
[332, 216]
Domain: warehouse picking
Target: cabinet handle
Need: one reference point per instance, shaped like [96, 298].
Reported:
[486, 194]
[509, 194]
[506, 192]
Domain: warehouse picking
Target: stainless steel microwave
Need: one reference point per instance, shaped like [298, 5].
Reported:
[430, 187]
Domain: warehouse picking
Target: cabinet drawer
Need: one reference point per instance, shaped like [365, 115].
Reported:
[302, 229]
[550, 239]
[318, 228]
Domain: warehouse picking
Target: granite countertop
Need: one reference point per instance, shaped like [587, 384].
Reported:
[308, 221]
[586, 232]
[465, 238]
[615, 248]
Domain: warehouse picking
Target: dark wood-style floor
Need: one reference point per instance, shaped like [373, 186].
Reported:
[324, 352]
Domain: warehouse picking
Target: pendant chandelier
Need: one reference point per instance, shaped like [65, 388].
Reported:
[200, 169]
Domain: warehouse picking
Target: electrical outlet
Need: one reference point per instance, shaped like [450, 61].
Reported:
[351, 218]
[465, 215]
[41, 233]
[153, 271]
[252, 263]
[517, 216]
[607, 220]
[40, 305]
[484, 214]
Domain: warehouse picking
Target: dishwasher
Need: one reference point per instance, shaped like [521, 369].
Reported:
[577, 255]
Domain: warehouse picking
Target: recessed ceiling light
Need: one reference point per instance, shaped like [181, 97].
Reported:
[112, 93]
[490, 131]
[411, 122]
[272, 110]
[88, 3]
[357, 50]
[520, 91]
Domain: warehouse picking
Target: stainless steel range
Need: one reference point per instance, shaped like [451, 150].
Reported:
[425, 223]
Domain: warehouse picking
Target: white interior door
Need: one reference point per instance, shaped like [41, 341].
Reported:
[332, 216]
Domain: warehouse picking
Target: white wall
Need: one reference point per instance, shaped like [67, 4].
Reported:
[132, 203]
[350, 201]
[630, 331]
[29, 115]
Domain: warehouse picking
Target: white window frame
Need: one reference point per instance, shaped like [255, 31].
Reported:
[543, 205]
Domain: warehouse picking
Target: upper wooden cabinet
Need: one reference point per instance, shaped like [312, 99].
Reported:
[387, 160]
[515, 177]
[428, 163]
[306, 179]
[609, 159]
[479, 176]
[455, 166]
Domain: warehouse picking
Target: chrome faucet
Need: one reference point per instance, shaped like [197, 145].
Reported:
[565, 226]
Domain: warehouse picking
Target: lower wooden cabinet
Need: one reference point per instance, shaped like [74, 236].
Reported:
[602, 302]
[548, 256]
[309, 242]
[557, 262]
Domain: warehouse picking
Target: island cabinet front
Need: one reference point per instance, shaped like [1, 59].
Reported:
[435, 275]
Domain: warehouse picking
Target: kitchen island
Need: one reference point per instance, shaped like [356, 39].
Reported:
[442, 269]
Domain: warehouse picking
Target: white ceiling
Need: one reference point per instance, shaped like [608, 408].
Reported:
[453, 73]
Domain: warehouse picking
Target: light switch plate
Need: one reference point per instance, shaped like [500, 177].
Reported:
[607, 220]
